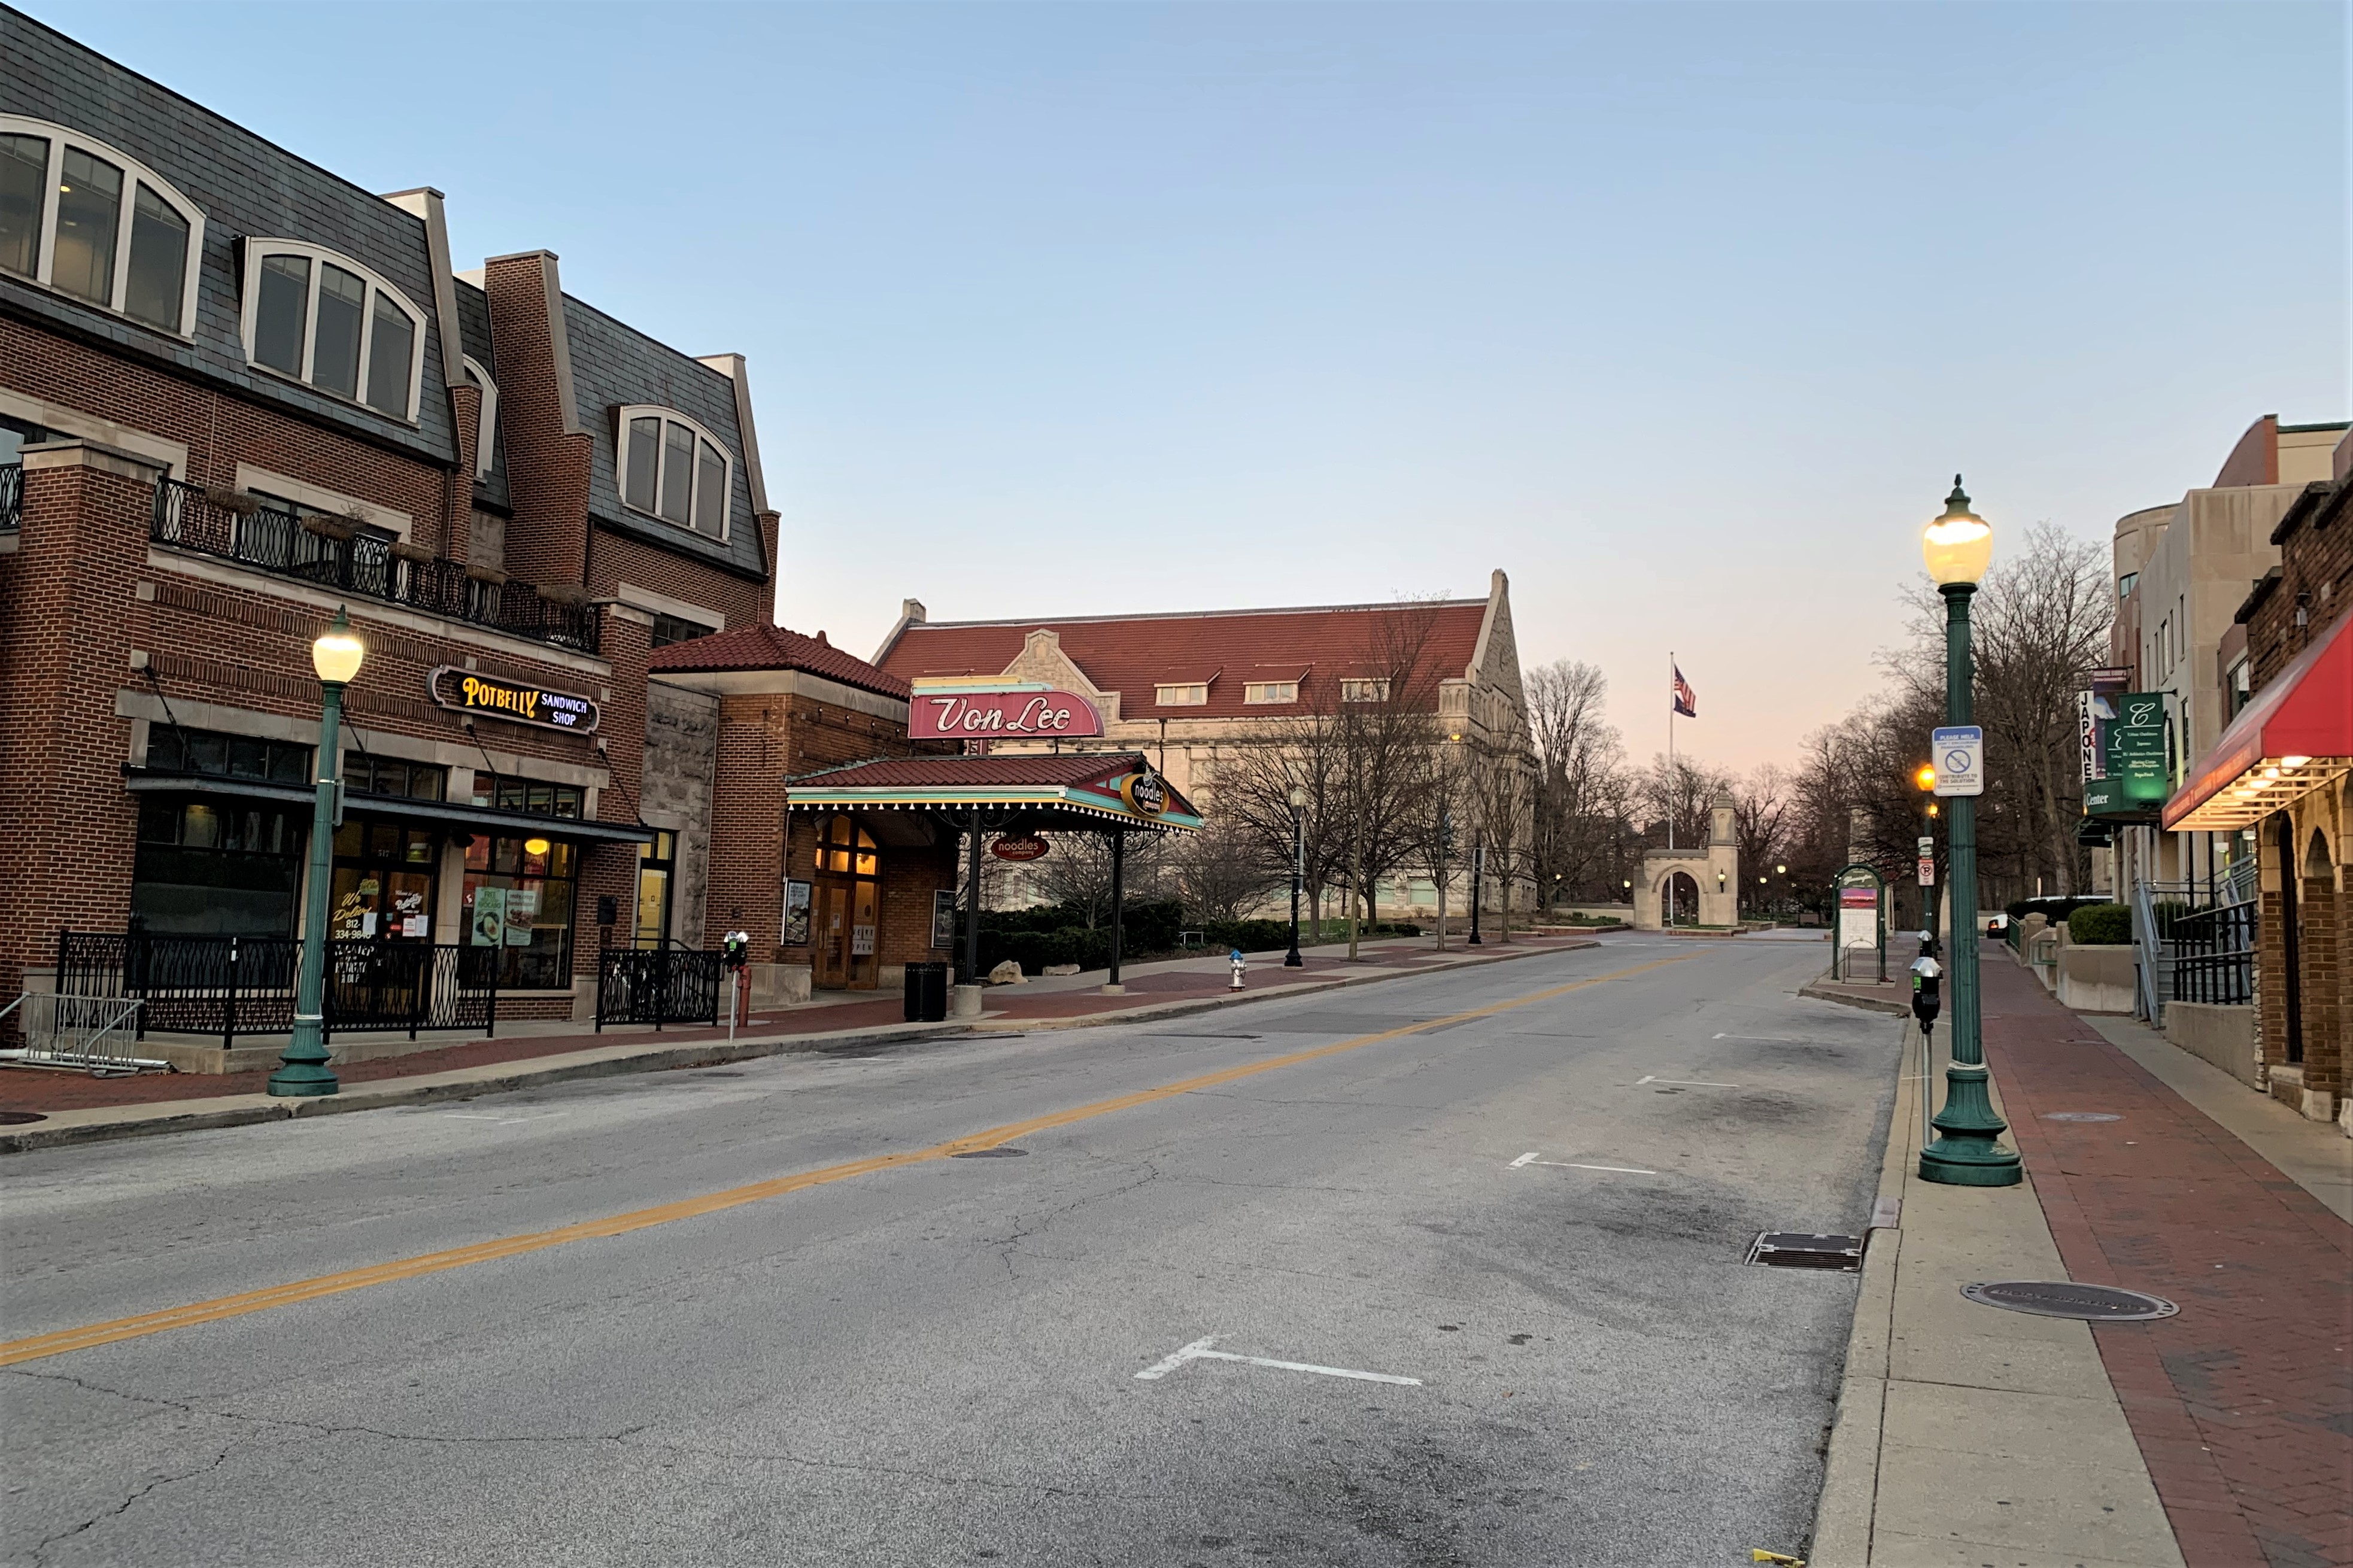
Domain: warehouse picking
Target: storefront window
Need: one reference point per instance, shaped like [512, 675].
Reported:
[528, 796]
[518, 900]
[385, 876]
[173, 749]
[363, 775]
[216, 868]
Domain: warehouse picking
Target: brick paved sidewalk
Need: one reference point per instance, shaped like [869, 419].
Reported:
[2242, 1404]
[25, 1091]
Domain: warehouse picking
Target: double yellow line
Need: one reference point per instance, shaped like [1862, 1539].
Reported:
[39, 1346]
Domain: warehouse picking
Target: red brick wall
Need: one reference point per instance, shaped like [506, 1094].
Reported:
[547, 467]
[616, 558]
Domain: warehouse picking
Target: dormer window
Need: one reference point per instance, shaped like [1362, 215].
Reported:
[673, 468]
[1182, 694]
[80, 217]
[1376, 691]
[486, 437]
[317, 317]
[1270, 691]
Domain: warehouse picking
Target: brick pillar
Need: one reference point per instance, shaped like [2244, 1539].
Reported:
[2319, 928]
[745, 884]
[2271, 952]
[610, 870]
[73, 614]
[466, 418]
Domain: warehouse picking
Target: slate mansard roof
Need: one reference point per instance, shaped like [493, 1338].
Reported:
[246, 187]
[474, 326]
[613, 366]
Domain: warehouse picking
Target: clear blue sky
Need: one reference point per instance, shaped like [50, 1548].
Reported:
[1683, 315]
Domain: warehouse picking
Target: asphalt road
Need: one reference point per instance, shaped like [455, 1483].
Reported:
[935, 1362]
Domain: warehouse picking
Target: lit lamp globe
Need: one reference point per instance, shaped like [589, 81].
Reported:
[1924, 778]
[337, 654]
[1298, 797]
[1958, 545]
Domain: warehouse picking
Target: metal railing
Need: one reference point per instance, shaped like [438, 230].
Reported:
[233, 985]
[272, 539]
[2214, 955]
[658, 985]
[12, 497]
[96, 1035]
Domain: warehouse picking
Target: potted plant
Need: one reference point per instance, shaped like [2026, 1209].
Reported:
[232, 501]
[339, 526]
[572, 595]
[405, 549]
[488, 575]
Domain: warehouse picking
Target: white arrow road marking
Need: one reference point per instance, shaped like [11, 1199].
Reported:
[1685, 1083]
[1530, 1159]
[1200, 1351]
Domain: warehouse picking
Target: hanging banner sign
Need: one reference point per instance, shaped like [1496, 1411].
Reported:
[1010, 712]
[2135, 749]
[2091, 709]
[471, 693]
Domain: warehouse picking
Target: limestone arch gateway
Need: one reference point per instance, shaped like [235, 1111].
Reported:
[1716, 868]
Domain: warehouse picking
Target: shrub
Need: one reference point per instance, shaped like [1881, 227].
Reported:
[2100, 924]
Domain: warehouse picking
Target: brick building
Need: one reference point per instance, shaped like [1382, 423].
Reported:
[236, 393]
[2280, 774]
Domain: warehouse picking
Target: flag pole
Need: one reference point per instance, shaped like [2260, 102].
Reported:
[1672, 783]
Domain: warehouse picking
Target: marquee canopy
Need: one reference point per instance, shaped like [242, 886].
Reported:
[2293, 737]
[1095, 790]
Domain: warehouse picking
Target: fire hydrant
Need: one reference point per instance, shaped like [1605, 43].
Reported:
[1239, 967]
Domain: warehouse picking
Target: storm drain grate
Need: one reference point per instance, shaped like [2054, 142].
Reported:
[1798, 1250]
[2081, 1116]
[991, 1154]
[18, 1118]
[2067, 1298]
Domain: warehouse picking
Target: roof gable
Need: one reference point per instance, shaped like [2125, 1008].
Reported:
[776, 647]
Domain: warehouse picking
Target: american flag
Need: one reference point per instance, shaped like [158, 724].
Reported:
[1686, 701]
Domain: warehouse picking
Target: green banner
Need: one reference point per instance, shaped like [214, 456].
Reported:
[2134, 744]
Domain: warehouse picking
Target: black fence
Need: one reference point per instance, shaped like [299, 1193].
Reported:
[658, 985]
[2213, 955]
[232, 985]
[334, 553]
[12, 497]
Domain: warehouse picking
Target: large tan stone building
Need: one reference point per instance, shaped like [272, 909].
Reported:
[1190, 690]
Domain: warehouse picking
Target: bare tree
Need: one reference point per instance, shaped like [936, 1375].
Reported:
[1579, 831]
[1762, 807]
[1077, 871]
[1222, 872]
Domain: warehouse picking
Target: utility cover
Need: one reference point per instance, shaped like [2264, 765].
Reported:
[2069, 1299]
[1802, 1249]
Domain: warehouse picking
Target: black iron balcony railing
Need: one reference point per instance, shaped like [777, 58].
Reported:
[2213, 955]
[12, 497]
[336, 555]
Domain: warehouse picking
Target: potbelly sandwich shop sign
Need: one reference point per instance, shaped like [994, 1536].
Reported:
[999, 710]
[470, 693]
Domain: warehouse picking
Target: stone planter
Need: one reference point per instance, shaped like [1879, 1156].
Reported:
[2098, 978]
[2214, 1032]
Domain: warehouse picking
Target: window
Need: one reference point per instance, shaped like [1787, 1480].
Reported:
[1270, 691]
[80, 217]
[328, 321]
[668, 630]
[486, 439]
[1365, 690]
[217, 868]
[528, 796]
[364, 775]
[673, 468]
[2238, 688]
[2125, 585]
[657, 862]
[1193, 695]
[518, 901]
[172, 750]
[847, 851]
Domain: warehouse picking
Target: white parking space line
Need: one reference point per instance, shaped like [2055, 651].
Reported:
[1762, 1039]
[1200, 1351]
[501, 1121]
[1684, 1083]
[1530, 1159]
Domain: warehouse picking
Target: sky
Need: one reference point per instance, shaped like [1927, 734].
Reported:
[1684, 316]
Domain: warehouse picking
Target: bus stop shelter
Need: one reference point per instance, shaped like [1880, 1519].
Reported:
[1114, 793]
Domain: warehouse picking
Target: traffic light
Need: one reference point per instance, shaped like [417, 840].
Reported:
[1445, 832]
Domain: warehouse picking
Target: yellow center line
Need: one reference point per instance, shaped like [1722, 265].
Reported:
[41, 1345]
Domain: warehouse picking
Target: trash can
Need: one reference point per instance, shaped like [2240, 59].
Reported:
[927, 993]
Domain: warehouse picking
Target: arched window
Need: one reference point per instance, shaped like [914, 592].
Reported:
[486, 439]
[80, 217]
[669, 467]
[326, 320]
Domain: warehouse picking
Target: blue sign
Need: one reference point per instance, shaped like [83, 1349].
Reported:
[1958, 753]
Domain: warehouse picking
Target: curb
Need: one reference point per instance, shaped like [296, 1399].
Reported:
[1868, 1004]
[613, 1061]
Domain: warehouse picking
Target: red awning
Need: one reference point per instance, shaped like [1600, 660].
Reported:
[2296, 735]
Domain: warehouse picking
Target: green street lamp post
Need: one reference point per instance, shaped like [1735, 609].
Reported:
[303, 1069]
[1298, 865]
[1957, 546]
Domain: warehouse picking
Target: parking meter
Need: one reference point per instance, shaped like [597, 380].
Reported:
[1927, 998]
[735, 954]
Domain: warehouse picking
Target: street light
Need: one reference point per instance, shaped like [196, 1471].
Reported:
[1958, 547]
[1298, 865]
[302, 1069]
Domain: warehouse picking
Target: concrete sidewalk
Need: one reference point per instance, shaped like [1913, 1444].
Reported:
[69, 1109]
[1966, 1435]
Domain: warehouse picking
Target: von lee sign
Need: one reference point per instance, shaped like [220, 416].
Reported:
[1021, 712]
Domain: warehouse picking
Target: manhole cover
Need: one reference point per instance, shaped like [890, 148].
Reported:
[2066, 1298]
[18, 1118]
[991, 1154]
[1800, 1249]
[2079, 1116]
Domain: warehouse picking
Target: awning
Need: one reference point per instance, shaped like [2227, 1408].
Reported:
[1093, 790]
[2295, 737]
[141, 781]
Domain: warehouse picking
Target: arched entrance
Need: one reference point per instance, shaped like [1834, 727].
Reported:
[1679, 900]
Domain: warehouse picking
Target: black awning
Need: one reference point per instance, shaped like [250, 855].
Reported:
[139, 781]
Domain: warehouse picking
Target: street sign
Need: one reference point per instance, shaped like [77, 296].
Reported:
[1958, 753]
[1928, 861]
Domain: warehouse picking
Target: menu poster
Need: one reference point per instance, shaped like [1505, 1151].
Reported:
[416, 925]
[944, 917]
[797, 914]
[490, 916]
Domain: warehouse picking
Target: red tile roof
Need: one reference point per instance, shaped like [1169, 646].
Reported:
[1133, 654]
[951, 773]
[775, 647]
